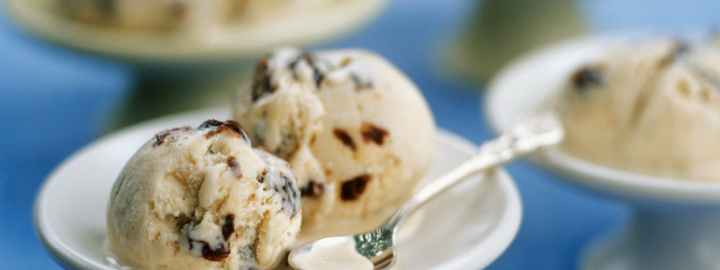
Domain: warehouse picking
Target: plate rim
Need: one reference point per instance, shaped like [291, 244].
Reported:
[597, 177]
[84, 37]
[480, 255]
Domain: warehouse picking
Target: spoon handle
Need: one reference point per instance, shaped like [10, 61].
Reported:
[524, 138]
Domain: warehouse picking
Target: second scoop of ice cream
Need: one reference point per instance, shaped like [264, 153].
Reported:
[358, 134]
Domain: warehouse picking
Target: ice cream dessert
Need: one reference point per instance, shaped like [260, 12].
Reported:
[357, 133]
[178, 14]
[650, 106]
[203, 198]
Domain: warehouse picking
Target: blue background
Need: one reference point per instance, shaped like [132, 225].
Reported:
[53, 102]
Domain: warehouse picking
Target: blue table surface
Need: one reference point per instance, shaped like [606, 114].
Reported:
[52, 102]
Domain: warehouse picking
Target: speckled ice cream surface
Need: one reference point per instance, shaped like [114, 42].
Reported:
[356, 131]
[203, 198]
[642, 107]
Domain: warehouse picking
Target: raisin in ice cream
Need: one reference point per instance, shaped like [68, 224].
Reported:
[647, 106]
[203, 198]
[357, 133]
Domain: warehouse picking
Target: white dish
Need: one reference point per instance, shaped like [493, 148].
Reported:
[301, 27]
[468, 228]
[674, 221]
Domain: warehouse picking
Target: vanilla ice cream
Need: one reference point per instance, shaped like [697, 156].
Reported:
[357, 133]
[647, 106]
[203, 198]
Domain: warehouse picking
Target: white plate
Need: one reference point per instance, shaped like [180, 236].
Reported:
[300, 27]
[467, 228]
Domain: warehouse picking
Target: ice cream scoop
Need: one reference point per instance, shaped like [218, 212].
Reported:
[356, 131]
[650, 106]
[203, 198]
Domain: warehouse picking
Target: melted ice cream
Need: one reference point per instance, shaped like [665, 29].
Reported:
[331, 255]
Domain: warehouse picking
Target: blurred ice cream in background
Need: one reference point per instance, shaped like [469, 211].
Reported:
[650, 106]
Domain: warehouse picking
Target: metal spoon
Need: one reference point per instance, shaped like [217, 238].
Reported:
[378, 245]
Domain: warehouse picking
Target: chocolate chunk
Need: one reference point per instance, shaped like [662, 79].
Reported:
[215, 255]
[261, 176]
[160, 137]
[318, 75]
[345, 138]
[185, 225]
[229, 125]
[213, 133]
[262, 81]
[587, 77]
[312, 62]
[287, 189]
[234, 167]
[293, 192]
[292, 66]
[228, 227]
[312, 189]
[210, 123]
[235, 126]
[373, 133]
[279, 178]
[352, 189]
